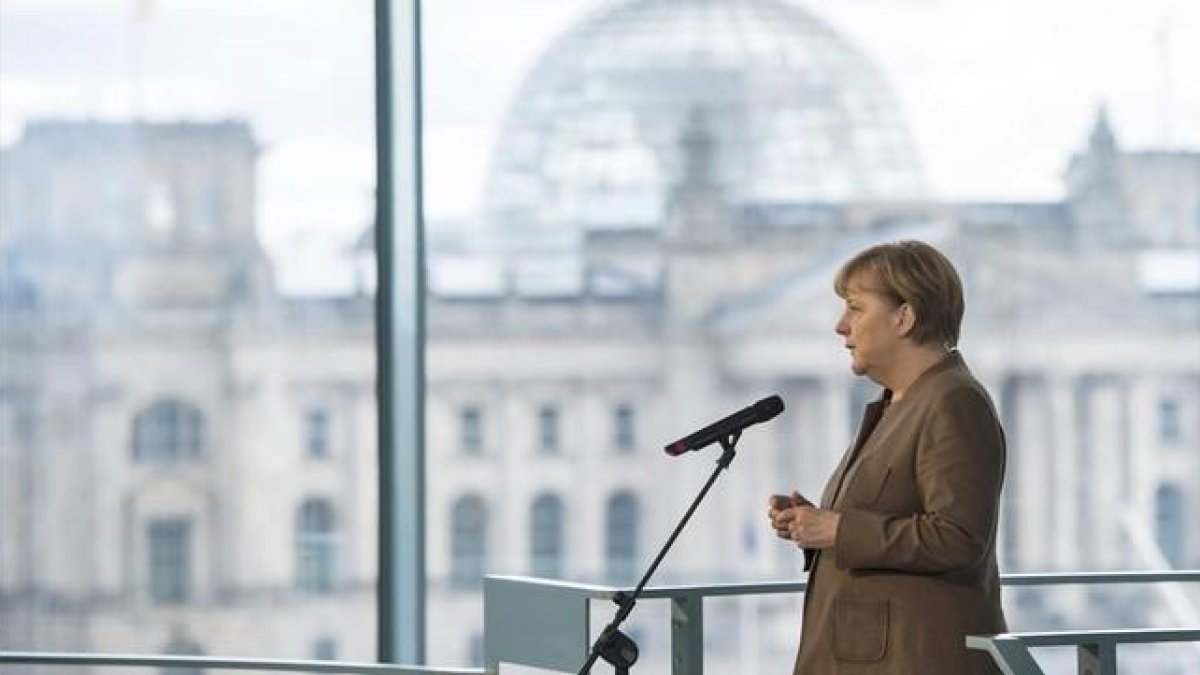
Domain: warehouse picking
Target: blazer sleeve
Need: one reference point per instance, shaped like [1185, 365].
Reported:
[959, 470]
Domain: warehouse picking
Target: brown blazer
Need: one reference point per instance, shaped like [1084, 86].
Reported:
[913, 569]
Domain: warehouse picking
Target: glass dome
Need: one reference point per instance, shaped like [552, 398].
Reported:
[794, 114]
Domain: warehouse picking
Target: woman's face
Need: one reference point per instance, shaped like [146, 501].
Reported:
[871, 326]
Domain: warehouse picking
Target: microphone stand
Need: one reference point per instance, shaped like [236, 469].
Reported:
[615, 647]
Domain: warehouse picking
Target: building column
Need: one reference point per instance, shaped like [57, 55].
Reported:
[1102, 471]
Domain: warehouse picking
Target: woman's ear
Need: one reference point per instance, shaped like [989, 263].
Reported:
[906, 319]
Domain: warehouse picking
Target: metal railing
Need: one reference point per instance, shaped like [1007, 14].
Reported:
[556, 614]
[546, 624]
[1096, 649]
[225, 663]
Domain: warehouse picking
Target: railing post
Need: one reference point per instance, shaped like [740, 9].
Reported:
[687, 635]
[1009, 653]
[1098, 658]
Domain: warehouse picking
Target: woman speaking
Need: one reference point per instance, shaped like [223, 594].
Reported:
[901, 551]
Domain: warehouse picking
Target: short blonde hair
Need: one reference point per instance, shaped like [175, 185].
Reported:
[916, 274]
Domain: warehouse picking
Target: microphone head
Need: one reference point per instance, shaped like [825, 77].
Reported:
[768, 408]
[755, 413]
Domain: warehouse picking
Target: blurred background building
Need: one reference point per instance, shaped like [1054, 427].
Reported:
[674, 184]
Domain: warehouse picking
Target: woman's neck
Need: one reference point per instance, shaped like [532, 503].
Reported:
[909, 366]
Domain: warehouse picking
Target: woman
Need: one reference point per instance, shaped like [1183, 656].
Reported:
[901, 552]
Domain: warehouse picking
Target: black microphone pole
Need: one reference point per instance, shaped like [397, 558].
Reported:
[616, 647]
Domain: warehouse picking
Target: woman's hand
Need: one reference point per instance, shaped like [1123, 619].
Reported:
[813, 528]
[781, 510]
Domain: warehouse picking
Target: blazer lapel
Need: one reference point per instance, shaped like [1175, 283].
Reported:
[866, 429]
[871, 416]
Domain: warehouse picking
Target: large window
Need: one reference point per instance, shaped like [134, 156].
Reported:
[646, 202]
[187, 332]
[624, 200]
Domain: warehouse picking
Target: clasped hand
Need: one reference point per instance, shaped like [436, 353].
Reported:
[796, 519]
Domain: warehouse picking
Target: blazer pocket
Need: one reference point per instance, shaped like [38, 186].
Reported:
[860, 630]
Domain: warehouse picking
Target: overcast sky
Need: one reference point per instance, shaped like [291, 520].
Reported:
[997, 93]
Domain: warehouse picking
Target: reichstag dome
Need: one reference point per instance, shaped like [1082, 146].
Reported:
[794, 113]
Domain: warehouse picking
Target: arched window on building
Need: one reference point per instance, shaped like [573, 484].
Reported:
[1168, 516]
[621, 536]
[546, 536]
[468, 541]
[316, 546]
[168, 431]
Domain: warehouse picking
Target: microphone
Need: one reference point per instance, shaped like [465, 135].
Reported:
[762, 411]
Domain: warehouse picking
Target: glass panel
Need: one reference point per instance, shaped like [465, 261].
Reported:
[186, 318]
[646, 201]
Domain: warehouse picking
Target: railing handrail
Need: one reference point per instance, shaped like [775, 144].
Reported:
[566, 621]
[1097, 649]
[1064, 578]
[581, 591]
[1064, 638]
[769, 587]
[225, 663]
